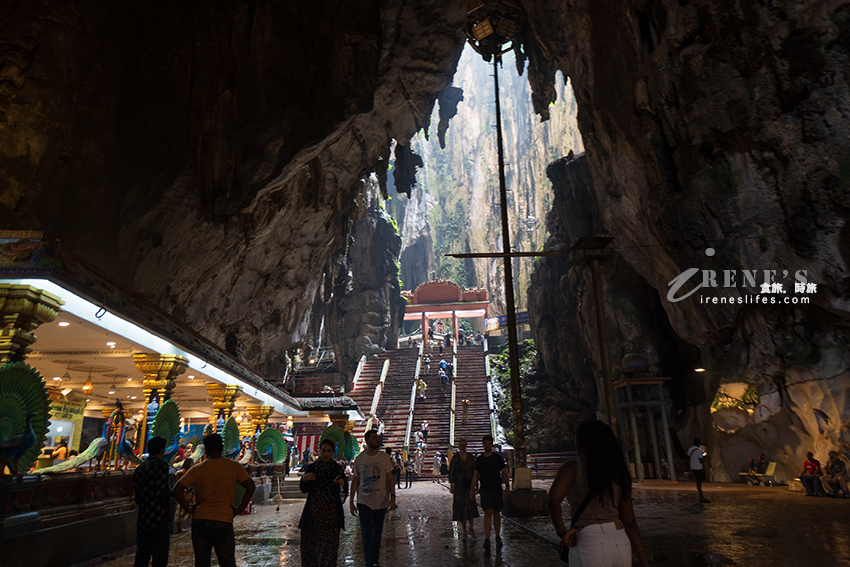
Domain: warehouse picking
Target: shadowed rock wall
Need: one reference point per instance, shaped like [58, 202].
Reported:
[214, 157]
[723, 125]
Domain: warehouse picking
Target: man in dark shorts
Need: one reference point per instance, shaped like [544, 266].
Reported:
[214, 481]
[491, 470]
[696, 454]
[153, 495]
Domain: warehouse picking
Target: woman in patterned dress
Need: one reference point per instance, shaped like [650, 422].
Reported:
[464, 509]
[324, 483]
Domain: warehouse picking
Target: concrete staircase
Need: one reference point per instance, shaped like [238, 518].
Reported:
[394, 404]
[288, 488]
[471, 384]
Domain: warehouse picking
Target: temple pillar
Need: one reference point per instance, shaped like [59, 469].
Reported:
[160, 377]
[259, 417]
[425, 328]
[224, 398]
[23, 309]
[454, 326]
[246, 426]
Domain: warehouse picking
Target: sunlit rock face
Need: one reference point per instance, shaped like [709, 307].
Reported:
[455, 206]
[722, 125]
[367, 308]
[216, 157]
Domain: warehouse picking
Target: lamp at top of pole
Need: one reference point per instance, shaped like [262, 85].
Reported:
[490, 24]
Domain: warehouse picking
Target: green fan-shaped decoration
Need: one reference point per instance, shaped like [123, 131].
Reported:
[22, 391]
[166, 424]
[271, 439]
[335, 434]
[232, 438]
[351, 447]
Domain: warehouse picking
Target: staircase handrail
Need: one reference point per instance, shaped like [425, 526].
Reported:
[490, 402]
[409, 428]
[360, 366]
[379, 388]
[454, 392]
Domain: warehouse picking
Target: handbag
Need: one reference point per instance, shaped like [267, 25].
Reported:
[564, 549]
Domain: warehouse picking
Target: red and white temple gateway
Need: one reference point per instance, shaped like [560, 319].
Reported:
[440, 299]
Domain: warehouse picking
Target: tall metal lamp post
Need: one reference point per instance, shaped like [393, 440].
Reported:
[489, 26]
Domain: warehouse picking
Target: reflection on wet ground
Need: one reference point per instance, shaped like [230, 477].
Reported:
[743, 525]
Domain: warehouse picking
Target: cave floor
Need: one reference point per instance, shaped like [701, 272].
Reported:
[742, 525]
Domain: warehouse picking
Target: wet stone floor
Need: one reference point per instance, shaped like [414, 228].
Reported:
[742, 525]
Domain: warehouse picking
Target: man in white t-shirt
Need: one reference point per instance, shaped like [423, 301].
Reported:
[374, 487]
[697, 454]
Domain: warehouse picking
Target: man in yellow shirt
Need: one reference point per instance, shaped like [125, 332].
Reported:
[214, 481]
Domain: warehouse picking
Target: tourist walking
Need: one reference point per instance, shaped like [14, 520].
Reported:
[424, 429]
[427, 361]
[435, 471]
[380, 431]
[215, 481]
[180, 515]
[421, 387]
[461, 472]
[598, 487]
[420, 461]
[374, 488]
[491, 471]
[408, 471]
[153, 495]
[324, 483]
[397, 468]
[696, 454]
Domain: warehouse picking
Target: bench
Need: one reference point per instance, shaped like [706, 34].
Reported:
[762, 479]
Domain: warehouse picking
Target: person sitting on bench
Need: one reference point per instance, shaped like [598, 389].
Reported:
[810, 477]
[835, 476]
[756, 467]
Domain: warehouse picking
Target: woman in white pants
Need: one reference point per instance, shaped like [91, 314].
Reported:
[606, 532]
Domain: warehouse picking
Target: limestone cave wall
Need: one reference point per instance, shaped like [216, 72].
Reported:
[216, 157]
[717, 125]
[219, 158]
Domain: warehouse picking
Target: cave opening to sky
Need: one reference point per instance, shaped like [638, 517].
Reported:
[454, 206]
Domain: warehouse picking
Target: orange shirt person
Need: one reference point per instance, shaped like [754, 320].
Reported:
[214, 481]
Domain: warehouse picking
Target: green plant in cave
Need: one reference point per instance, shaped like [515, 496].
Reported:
[501, 373]
[453, 269]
